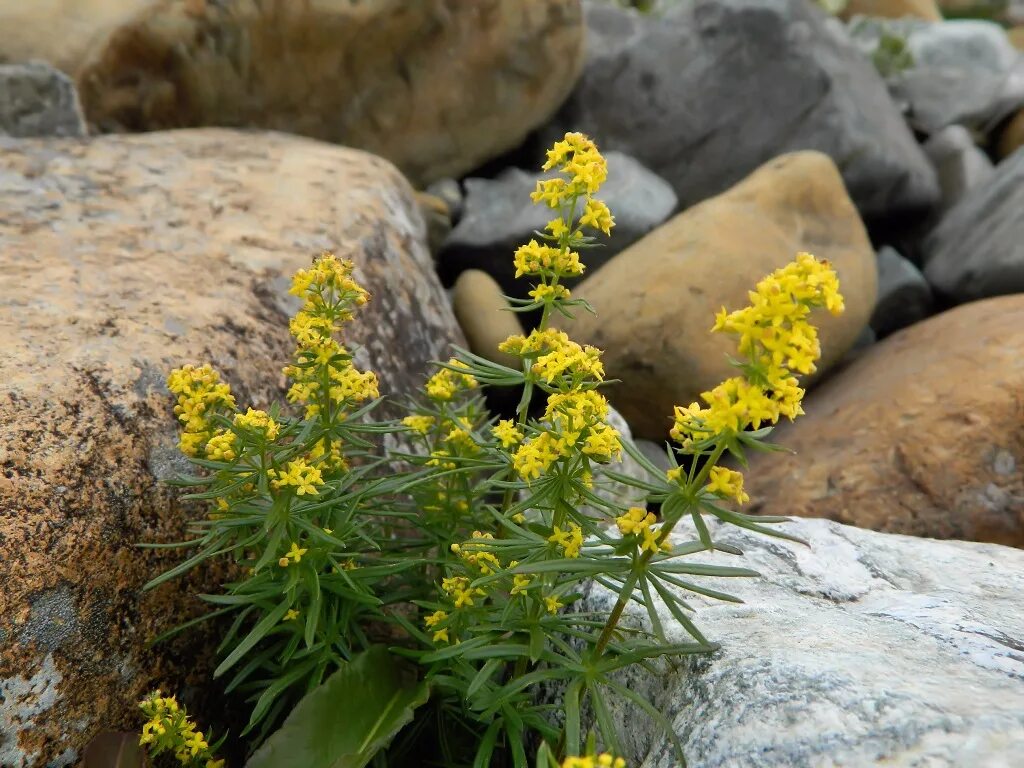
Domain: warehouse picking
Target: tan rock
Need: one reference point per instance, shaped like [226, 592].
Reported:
[656, 300]
[120, 258]
[1012, 136]
[434, 86]
[922, 435]
[1016, 35]
[482, 311]
[438, 218]
[893, 9]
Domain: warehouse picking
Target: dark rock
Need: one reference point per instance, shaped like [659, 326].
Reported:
[709, 90]
[904, 296]
[959, 163]
[37, 100]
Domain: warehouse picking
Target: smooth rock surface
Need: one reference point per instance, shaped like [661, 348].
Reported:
[499, 216]
[123, 257]
[858, 649]
[964, 72]
[37, 100]
[656, 300]
[959, 163]
[977, 250]
[437, 87]
[671, 90]
[904, 296]
[920, 435]
[484, 316]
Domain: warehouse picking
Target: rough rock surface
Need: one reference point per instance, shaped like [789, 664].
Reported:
[920, 435]
[656, 300]
[860, 649]
[959, 163]
[436, 86]
[904, 296]
[499, 216]
[122, 257]
[977, 250]
[37, 100]
[963, 73]
[671, 90]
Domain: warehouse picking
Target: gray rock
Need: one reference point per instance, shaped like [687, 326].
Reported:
[904, 296]
[964, 72]
[978, 248]
[654, 452]
[449, 191]
[710, 90]
[959, 163]
[498, 216]
[37, 100]
[860, 649]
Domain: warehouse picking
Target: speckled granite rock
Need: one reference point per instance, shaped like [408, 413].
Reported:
[436, 86]
[861, 649]
[923, 434]
[122, 257]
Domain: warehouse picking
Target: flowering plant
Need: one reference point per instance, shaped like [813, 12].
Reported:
[474, 556]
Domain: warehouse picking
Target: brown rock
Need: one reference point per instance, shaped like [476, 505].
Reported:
[656, 300]
[893, 9]
[122, 257]
[437, 87]
[482, 312]
[1016, 35]
[1012, 136]
[922, 435]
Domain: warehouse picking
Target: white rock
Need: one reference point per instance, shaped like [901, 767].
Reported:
[861, 649]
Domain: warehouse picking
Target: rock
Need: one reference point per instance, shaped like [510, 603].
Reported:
[450, 191]
[123, 257]
[963, 73]
[438, 219]
[1016, 37]
[920, 435]
[859, 649]
[499, 216]
[654, 452]
[38, 100]
[1012, 136]
[978, 248]
[904, 296]
[613, 490]
[484, 316]
[656, 300]
[670, 90]
[959, 163]
[436, 87]
[893, 9]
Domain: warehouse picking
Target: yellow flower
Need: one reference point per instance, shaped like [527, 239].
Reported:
[553, 603]
[570, 541]
[597, 215]
[604, 760]
[457, 587]
[507, 433]
[545, 292]
[201, 395]
[258, 421]
[446, 383]
[290, 615]
[221, 447]
[520, 582]
[419, 423]
[296, 552]
[635, 520]
[533, 458]
[728, 484]
[557, 227]
[297, 473]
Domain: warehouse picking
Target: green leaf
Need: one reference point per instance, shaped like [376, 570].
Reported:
[347, 720]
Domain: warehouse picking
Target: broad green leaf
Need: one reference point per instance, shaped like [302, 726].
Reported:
[347, 720]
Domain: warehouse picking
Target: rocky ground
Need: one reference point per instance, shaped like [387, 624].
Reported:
[166, 164]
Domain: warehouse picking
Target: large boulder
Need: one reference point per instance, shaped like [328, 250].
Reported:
[656, 300]
[672, 90]
[37, 100]
[977, 250]
[498, 216]
[962, 72]
[857, 649]
[123, 257]
[434, 86]
[920, 435]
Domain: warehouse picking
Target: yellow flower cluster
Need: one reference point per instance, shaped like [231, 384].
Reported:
[548, 261]
[258, 422]
[778, 341]
[294, 555]
[574, 420]
[458, 589]
[583, 171]
[476, 553]
[446, 383]
[604, 760]
[434, 621]
[507, 433]
[570, 541]
[558, 360]
[201, 395]
[329, 294]
[639, 522]
[297, 473]
[419, 423]
[170, 729]
[728, 484]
